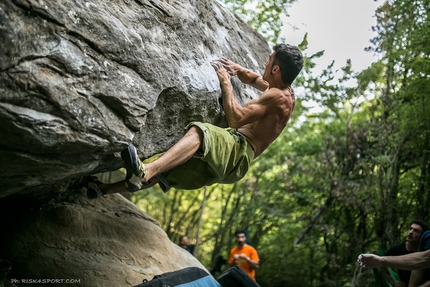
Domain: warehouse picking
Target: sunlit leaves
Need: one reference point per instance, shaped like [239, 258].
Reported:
[263, 16]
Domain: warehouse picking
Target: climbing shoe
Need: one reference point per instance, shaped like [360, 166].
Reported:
[94, 191]
[135, 169]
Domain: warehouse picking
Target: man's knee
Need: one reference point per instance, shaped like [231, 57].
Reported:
[195, 137]
[195, 132]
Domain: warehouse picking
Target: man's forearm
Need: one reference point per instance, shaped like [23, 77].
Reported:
[413, 261]
[231, 107]
[251, 78]
[254, 264]
[247, 76]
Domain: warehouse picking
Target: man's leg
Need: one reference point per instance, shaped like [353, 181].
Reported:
[182, 151]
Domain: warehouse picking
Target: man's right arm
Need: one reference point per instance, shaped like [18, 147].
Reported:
[253, 263]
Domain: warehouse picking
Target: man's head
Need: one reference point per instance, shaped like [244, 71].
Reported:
[416, 229]
[289, 59]
[240, 237]
[184, 242]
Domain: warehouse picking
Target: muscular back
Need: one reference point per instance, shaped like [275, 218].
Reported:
[269, 114]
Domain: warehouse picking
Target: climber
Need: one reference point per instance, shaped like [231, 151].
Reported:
[208, 154]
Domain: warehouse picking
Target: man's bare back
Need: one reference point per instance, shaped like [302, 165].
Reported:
[263, 132]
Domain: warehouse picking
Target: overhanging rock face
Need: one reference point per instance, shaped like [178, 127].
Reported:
[80, 80]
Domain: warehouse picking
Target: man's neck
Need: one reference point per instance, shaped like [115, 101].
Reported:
[411, 246]
[276, 82]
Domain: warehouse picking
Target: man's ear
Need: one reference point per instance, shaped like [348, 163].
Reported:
[276, 69]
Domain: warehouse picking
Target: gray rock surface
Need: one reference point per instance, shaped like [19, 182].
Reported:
[79, 81]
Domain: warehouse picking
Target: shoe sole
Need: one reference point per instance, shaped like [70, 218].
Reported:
[130, 158]
[131, 161]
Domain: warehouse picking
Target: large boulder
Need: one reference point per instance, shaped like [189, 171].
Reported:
[79, 81]
[104, 242]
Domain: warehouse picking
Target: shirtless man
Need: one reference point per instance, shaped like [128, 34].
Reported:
[208, 154]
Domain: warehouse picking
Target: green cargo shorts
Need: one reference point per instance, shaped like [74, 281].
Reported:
[224, 157]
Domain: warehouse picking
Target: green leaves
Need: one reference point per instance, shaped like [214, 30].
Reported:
[263, 16]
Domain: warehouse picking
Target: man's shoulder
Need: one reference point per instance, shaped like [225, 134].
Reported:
[277, 98]
[425, 241]
[277, 91]
[398, 249]
[247, 246]
[190, 248]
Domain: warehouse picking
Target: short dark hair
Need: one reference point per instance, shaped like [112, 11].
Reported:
[290, 61]
[239, 231]
[421, 223]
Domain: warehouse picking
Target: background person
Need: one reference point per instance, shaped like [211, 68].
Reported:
[243, 255]
[184, 242]
[416, 229]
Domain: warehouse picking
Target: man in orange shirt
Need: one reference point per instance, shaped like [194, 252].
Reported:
[244, 255]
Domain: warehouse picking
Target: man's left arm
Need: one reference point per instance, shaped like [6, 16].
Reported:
[411, 261]
[253, 263]
[237, 115]
[254, 260]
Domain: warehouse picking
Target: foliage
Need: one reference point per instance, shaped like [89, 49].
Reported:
[263, 16]
[400, 125]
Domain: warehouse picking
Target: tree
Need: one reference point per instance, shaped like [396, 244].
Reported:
[401, 122]
[263, 16]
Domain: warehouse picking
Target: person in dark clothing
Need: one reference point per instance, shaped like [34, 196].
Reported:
[416, 229]
[185, 243]
[219, 263]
